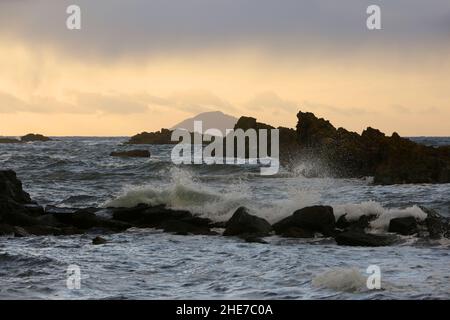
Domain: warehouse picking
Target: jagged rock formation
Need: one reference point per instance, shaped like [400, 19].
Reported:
[390, 160]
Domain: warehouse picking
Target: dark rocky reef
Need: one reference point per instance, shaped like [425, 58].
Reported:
[31, 137]
[131, 154]
[390, 160]
[21, 217]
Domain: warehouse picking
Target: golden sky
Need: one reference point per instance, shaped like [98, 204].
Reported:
[57, 87]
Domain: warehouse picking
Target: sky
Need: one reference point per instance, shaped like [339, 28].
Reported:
[141, 65]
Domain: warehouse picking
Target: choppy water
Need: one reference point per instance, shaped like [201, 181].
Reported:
[78, 172]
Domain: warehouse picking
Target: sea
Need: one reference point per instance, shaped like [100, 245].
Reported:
[78, 172]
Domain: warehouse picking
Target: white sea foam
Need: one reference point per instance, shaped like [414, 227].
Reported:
[185, 191]
[384, 215]
[348, 280]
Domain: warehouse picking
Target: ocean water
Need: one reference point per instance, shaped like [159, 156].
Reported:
[141, 264]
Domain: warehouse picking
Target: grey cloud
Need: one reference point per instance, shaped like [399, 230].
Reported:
[112, 27]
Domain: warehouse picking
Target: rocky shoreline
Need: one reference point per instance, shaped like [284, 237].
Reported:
[21, 217]
[337, 152]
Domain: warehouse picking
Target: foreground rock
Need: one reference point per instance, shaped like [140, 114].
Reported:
[305, 222]
[131, 153]
[247, 226]
[31, 137]
[404, 226]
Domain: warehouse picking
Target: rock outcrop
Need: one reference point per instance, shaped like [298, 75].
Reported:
[158, 137]
[9, 140]
[307, 221]
[244, 224]
[31, 137]
[390, 160]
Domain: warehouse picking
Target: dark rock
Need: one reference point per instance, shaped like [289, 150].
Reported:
[316, 219]
[251, 238]
[41, 230]
[295, 232]
[389, 160]
[131, 154]
[181, 227]
[219, 224]
[34, 210]
[85, 219]
[31, 137]
[20, 232]
[159, 137]
[149, 217]
[99, 240]
[11, 188]
[9, 140]
[244, 223]
[404, 226]
[15, 214]
[6, 230]
[79, 219]
[436, 225]
[362, 239]
[342, 222]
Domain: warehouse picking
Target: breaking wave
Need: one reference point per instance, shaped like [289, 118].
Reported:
[383, 215]
[347, 280]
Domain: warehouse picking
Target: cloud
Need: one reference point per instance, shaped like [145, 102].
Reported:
[84, 103]
[110, 28]
[191, 102]
[416, 110]
[346, 111]
[271, 101]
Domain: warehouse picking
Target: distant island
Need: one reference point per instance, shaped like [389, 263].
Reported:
[31, 137]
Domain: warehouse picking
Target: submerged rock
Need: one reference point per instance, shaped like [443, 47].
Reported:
[131, 154]
[99, 240]
[313, 219]
[185, 227]
[243, 223]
